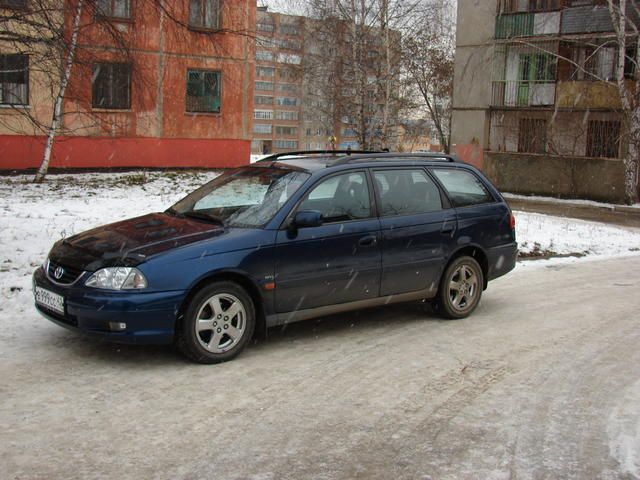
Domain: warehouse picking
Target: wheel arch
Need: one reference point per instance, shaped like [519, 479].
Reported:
[478, 254]
[229, 276]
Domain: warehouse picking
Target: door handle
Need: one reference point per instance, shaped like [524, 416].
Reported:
[448, 228]
[368, 241]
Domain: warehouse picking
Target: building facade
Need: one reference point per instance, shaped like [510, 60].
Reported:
[149, 87]
[535, 99]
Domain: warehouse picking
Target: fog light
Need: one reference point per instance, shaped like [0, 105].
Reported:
[117, 326]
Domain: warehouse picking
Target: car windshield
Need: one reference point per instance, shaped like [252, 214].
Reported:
[246, 197]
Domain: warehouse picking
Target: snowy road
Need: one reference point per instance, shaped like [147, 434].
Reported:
[542, 382]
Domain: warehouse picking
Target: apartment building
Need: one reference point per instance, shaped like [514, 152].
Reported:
[289, 99]
[535, 102]
[150, 87]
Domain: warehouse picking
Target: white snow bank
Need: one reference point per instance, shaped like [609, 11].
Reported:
[567, 202]
[623, 429]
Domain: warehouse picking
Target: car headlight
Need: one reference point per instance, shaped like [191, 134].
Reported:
[117, 278]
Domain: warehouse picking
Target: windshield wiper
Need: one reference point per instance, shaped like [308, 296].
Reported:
[202, 216]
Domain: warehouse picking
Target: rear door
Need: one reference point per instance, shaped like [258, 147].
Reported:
[482, 219]
[337, 262]
[417, 225]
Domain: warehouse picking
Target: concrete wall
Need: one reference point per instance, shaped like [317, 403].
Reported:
[472, 78]
[567, 177]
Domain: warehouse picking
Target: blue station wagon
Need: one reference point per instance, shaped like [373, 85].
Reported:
[292, 237]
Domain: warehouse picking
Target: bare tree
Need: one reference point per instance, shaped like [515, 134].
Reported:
[428, 51]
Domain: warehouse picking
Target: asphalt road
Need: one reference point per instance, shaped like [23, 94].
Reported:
[543, 382]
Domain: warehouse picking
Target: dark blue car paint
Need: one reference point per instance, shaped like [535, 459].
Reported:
[344, 263]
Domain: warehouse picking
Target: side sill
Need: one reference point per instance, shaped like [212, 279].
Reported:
[300, 315]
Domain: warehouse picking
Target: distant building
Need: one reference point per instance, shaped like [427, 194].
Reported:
[181, 97]
[534, 104]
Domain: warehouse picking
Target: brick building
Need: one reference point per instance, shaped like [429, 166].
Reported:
[178, 94]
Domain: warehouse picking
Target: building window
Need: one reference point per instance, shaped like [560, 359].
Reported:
[265, 72]
[285, 144]
[287, 101]
[284, 115]
[263, 114]
[286, 29]
[111, 86]
[264, 55]
[603, 139]
[289, 58]
[114, 8]
[204, 13]
[280, 130]
[265, 27]
[596, 63]
[514, 6]
[288, 87]
[203, 91]
[264, 85]
[262, 128]
[14, 80]
[13, 3]
[532, 135]
[262, 100]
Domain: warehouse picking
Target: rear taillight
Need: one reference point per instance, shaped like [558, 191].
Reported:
[512, 221]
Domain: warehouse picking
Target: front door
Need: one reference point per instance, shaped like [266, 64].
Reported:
[337, 262]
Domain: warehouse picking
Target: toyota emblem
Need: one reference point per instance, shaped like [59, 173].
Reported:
[58, 273]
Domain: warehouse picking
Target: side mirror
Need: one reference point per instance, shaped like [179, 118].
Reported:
[307, 218]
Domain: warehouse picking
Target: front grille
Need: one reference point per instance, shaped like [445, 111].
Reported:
[69, 274]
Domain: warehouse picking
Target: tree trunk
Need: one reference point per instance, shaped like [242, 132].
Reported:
[57, 109]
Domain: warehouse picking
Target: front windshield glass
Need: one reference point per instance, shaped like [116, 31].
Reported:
[245, 197]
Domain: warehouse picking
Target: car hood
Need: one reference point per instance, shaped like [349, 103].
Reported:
[131, 242]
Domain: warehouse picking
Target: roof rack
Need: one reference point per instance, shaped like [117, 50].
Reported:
[394, 156]
[275, 156]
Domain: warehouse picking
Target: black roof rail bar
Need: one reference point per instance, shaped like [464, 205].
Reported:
[395, 155]
[275, 156]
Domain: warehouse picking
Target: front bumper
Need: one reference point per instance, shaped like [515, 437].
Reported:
[150, 317]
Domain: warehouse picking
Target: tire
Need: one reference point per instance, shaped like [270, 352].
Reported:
[218, 323]
[458, 299]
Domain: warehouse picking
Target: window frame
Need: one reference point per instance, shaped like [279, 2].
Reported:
[4, 4]
[110, 16]
[444, 200]
[186, 92]
[443, 188]
[597, 130]
[95, 106]
[202, 26]
[27, 101]
[373, 206]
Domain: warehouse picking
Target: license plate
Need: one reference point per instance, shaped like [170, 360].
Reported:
[50, 300]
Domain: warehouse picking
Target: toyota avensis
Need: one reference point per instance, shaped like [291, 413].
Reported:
[292, 237]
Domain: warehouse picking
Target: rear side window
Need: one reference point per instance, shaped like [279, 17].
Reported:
[464, 187]
[406, 192]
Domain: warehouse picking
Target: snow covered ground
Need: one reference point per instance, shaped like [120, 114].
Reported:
[33, 217]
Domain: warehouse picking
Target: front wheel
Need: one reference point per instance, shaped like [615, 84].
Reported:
[217, 324]
[460, 288]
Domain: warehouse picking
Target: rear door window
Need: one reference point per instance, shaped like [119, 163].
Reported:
[406, 192]
[464, 188]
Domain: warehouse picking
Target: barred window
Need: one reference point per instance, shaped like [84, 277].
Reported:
[14, 80]
[111, 86]
[114, 8]
[204, 13]
[532, 135]
[603, 139]
[263, 114]
[203, 91]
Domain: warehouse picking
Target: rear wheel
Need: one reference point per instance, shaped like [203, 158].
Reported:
[460, 288]
[218, 323]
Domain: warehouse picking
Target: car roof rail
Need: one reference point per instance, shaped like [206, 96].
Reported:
[396, 156]
[276, 156]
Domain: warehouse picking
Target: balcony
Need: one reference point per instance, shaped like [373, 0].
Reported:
[523, 94]
[588, 95]
[527, 24]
